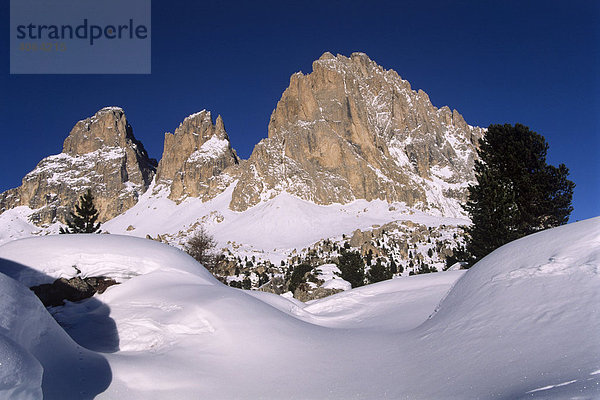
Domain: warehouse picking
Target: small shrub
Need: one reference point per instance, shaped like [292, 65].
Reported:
[201, 246]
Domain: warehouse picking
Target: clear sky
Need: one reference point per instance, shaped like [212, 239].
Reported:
[532, 62]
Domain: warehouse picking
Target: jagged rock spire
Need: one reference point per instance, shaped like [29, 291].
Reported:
[195, 156]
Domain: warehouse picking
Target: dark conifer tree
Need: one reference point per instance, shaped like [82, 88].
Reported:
[352, 267]
[247, 283]
[83, 218]
[378, 272]
[298, 276]
[517, 192]
[393, 266]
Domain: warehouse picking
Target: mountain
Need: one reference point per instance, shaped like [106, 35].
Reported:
[353, 130]
[100, 154]
[194, 158]
[351, 151]
[348, 130]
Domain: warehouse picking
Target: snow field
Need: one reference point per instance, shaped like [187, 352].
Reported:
[271, 229]
[522, 323]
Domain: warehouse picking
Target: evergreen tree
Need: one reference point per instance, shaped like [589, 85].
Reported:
[246, 283]
[83, 218]
[352, 267]
[378, 272]
[516, 193]
[298, 276]
[393, 266]
[424, 268]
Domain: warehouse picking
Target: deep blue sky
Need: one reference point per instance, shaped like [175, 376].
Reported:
[532, 62]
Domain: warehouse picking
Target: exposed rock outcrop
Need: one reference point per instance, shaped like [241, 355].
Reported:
[305, 292]
[348, 130]
[352, 130]
[74, 289]
[194, 158]
[100, 154]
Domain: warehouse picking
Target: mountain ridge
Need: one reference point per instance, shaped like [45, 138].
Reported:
[347, 131]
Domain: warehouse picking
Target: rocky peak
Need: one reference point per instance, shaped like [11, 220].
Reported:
[353, 130]
[195, 156]
[348, 130]
[108, 127]
[100, 154]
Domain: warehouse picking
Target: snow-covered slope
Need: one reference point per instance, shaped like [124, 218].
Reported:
[522, 323]
[273, 227]
[533, 307]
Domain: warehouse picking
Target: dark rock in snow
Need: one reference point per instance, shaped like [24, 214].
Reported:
[74, 289]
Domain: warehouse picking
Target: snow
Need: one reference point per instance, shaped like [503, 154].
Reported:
[331, 275]
[21, 372]
[194, 115]
[552, 386]
[397, 151]
[521, 323]
[111, 108]
[15, 224]
[445, 172]
[37, 356]
[212, 148]
[67, 256]
[272, 228]
[374, 306]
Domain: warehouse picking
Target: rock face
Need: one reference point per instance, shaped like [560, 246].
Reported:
[348, 130]
[101, 154]
[352, 130]
[194, 158]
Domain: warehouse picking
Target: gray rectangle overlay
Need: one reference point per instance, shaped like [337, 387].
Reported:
[80, 37]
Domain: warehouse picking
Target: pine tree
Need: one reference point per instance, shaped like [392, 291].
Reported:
[352, 267]
[424, 268]
[298, 276]
[247, 283]
[516, 193]
[378, 272]
[393, 267]
[83, 218]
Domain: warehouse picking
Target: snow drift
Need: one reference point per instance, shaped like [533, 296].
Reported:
[522, 323]
[37, 356]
